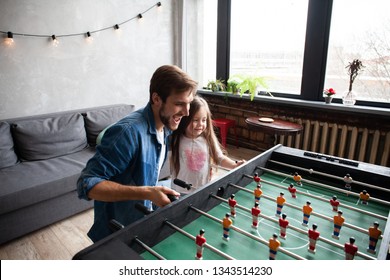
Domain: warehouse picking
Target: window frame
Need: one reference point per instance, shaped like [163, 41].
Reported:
[315, 52]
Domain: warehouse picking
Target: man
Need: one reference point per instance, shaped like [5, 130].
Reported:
[125, 169]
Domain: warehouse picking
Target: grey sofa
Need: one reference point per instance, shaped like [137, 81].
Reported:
[41, 158]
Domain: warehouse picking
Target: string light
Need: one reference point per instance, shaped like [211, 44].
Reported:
[89, 37]
[9, 39]
[55, 40]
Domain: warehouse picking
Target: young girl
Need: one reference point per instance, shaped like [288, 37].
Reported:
[195, 148]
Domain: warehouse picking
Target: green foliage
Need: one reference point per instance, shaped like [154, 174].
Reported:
[233, 85]
[248, 83]
[217, 85]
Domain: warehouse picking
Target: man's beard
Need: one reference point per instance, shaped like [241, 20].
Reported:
[166, 120]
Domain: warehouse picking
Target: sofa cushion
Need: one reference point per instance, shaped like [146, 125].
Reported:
[31, 182]
[98, 119]
[48, 137]
[7, 153]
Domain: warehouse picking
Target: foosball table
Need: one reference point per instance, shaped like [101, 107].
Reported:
[349, 216]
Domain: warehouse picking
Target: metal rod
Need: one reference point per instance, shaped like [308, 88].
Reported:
[150, 250]
[324, 186]
[325, 200]
[247, 234]
[215, 250]
[325, 240]
[331, 176]
[300, 209]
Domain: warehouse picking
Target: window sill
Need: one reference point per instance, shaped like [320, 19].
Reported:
[336, 107]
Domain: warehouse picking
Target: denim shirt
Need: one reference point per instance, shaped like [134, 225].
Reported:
[129, 154]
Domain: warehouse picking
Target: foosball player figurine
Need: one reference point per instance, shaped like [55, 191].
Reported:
[350, 249]
[335, 203]
[364, 197]
[375, 233]
[280, 200]
[256, 178]
[258, 192]
[297, 178]
[232, 203]
[200, 241]
[313, 236]
[292, 190]
[283, 223]
[348, 181]
[306, 209]
[338, 222]
[255, 215]
[273, 245]
[226, 224]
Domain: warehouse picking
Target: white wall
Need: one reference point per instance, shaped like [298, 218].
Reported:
[37, 78]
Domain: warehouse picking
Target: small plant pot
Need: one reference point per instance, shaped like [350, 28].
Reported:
[328, 99]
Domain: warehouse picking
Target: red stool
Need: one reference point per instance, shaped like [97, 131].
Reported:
[224, 125]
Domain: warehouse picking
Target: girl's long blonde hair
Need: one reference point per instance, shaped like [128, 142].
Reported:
[208, 134]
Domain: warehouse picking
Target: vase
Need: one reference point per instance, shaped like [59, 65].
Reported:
[349, 98]
[328, 99]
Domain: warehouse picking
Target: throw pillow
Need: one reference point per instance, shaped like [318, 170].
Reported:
[49, 137]
[98, 119]
[7, 153]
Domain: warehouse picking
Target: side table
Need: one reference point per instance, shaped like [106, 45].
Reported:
[274, 126]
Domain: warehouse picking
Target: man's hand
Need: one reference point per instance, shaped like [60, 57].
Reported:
[159, 195]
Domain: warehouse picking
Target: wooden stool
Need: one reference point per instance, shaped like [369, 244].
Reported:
[224, 125]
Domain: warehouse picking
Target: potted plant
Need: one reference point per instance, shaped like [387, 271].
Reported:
[354, 68]
[233, 85]
[217, 85]
[329, 95]
[249, 84]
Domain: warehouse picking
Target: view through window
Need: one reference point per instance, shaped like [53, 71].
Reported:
[360, 29]
[267, 40]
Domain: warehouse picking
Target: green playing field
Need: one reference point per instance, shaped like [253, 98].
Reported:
[248, 247]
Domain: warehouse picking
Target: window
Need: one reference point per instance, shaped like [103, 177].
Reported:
[303, 46]
[268, 40]
[200, 39]
[360, 30]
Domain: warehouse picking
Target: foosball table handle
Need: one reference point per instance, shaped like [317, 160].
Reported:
[115, 225]
[182, 184]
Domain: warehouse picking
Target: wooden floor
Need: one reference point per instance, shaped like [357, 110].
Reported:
[62, 240]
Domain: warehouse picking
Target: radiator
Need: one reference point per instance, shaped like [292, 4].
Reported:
[355, 143]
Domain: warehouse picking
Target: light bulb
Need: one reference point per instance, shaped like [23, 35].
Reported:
[9, 40]
[55, 40]
[88, 36]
